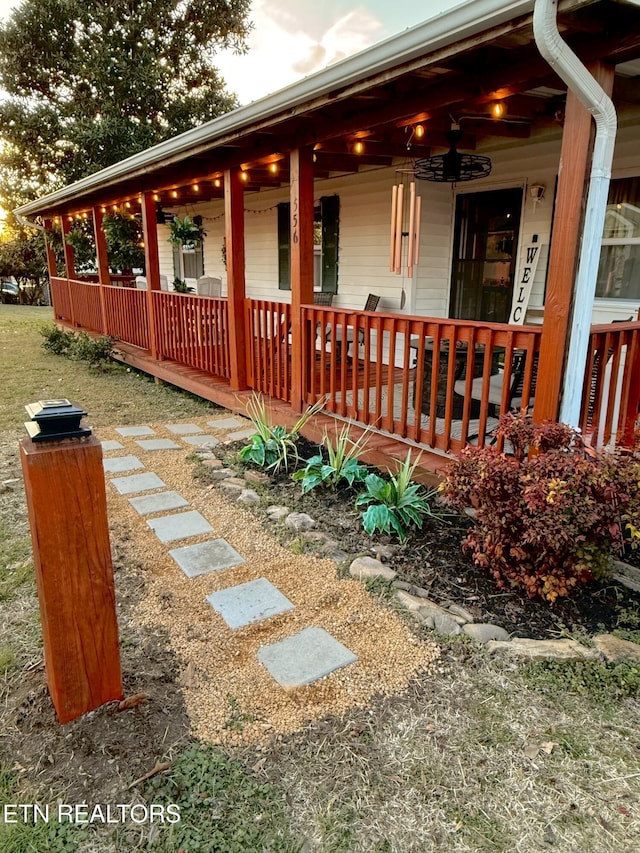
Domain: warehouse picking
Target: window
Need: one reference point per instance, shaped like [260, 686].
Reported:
[189, 264]
[325, 238]
[619, 270]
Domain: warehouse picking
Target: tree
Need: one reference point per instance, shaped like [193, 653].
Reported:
[89, 84]
[22, 256]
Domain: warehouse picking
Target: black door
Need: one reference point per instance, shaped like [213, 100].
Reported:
[484, 255]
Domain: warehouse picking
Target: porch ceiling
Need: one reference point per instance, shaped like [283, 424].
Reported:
[369, 122]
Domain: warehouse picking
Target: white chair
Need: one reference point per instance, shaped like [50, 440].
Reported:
[141, 282]
[164, 283]
[206, 285]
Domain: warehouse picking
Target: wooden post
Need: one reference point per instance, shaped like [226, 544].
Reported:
[52, 263]
[69, 263]
[151, 264]
[301, 241]
[64, 482]
[69, 254]
[234, 231]
[568, 218]
[102, 257]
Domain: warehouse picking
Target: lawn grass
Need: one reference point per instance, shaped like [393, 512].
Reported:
[480, 755]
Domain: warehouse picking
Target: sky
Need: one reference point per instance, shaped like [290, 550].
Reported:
[294, 38]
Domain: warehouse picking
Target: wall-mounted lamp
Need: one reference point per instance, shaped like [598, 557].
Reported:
[536, 191]
[358, 147]
[419, 131]
[498, 109]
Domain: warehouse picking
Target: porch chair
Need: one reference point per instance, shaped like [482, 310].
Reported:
[496, 384]
[323, 297]
[141, 282]
[164, 283]
[206, 285]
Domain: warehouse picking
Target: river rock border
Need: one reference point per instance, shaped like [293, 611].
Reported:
[447, 618]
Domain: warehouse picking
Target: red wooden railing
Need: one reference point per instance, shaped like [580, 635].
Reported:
[437, 382]
[268, 332]
[126, 315]
[85, 305]
[61, 300]
[193, 330]
[611, 394]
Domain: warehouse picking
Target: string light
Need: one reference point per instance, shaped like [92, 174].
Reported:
[196, 188]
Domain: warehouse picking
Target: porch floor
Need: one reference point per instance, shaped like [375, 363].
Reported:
[382, 450]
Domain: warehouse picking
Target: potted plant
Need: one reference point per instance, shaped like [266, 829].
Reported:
[181, 286]
[186, 232]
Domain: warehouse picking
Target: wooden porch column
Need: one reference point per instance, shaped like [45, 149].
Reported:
[571, 196]
[236, 287]
[102, 257]
[151, 264]
[301, 241]
[69, 262]
[52, 263]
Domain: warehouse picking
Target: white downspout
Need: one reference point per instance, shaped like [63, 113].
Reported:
[567, 65]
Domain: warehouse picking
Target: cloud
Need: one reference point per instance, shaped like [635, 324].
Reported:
[284, 46]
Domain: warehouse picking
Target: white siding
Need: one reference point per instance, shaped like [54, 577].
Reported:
[365, 209]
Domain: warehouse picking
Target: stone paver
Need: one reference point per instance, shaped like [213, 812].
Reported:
[249, 602]
[226, 423]
[205, 557]
[158, 444]
[305, 657]
[197, 440]
[241, 434]
[112, 445]
[135, 430]
[137, 483]
[168, 528]
[158, 502]
[117, 464]
[183, 429]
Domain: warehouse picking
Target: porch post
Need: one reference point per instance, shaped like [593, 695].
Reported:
[52, 263]
[151, 264]
[236, 287]
[102, 257]
[69, 262]
[301, 241]
[568, 218]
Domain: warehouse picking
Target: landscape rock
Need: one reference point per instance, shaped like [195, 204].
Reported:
[410, 602]
[626, 574]
[337, 555]
[367, 567]
[460, 611]
[523, 647]
[383, 552]
[299, 521]
[232, 488]
[211, 461]
[258, 477]
[483, 632]
[434, 617]
[277, 513]
[224, 474]
[616, 649]
[248, 496]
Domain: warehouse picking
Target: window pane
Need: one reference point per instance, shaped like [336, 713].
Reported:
[622, 219]
[619, 272]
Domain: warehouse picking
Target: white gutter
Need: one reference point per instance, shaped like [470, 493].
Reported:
[460, 22]
[567, 65]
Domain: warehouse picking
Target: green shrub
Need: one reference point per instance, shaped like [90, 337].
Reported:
[547, 522]
[81, 347]
[274, 447]
[394, 505]
[341, 463]
[56, 340]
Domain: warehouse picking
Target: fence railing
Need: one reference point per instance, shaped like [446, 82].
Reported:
[268, 333]
[611, 393]
[193, 330]
[438, 382]
[60, 300]
[127, 315]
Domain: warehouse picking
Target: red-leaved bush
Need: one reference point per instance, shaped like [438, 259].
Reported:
[547, 521]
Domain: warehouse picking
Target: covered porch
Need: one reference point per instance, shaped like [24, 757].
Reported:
[316, 188]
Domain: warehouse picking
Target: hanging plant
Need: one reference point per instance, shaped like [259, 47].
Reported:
[186, 232]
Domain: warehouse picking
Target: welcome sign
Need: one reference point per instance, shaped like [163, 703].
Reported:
[524, 282]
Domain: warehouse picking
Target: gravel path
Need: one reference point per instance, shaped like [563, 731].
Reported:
[229, 695]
